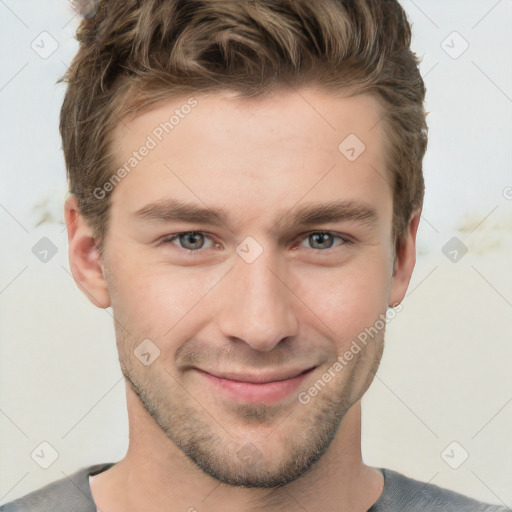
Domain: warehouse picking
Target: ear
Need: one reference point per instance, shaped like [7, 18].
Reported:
[84, 258]
[405, 259]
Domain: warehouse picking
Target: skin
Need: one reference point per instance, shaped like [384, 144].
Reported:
[299, 304]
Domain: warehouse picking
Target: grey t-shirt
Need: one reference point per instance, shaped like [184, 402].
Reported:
[400, 494]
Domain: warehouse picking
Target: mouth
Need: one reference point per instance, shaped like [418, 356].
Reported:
[252, 387]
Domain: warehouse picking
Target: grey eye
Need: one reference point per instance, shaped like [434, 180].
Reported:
[191, 241]
[322, 240]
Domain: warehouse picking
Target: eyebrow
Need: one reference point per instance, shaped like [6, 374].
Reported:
[172, 210]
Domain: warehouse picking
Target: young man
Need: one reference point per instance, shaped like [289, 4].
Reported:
[246, 186]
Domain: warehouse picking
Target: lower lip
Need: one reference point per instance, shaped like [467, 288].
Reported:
[251, 392]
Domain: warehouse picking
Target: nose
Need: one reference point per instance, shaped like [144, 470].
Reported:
[257, 305]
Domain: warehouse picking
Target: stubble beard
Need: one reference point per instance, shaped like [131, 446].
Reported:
[213, 449]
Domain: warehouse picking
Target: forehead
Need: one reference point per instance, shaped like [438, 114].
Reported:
[253, 153]
[317, 112]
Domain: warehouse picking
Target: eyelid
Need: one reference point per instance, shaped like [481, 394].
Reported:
[169, 239]
[335, 234]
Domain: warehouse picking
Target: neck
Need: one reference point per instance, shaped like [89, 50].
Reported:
[156, 475]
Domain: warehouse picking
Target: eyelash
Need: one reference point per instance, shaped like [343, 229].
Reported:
[191, 252]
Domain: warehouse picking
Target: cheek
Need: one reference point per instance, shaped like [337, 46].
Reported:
[348, 300]
[150, 300]
[155, 300]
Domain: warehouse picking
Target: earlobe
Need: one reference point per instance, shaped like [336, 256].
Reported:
[404, 262]
[84, 258]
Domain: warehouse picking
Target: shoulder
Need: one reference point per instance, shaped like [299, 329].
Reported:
[402, 493]
[70, 493]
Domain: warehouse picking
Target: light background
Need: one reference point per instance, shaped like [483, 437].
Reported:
[446, 371]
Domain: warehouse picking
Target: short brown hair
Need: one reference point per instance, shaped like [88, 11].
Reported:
[134, 54]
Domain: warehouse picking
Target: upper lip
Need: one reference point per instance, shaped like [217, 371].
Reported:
[259, 377]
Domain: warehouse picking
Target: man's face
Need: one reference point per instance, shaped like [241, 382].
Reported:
[257, 294]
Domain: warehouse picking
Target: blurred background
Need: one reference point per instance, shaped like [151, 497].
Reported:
[440, 407]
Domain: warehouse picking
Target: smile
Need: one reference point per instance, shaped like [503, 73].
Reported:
[256, 388]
